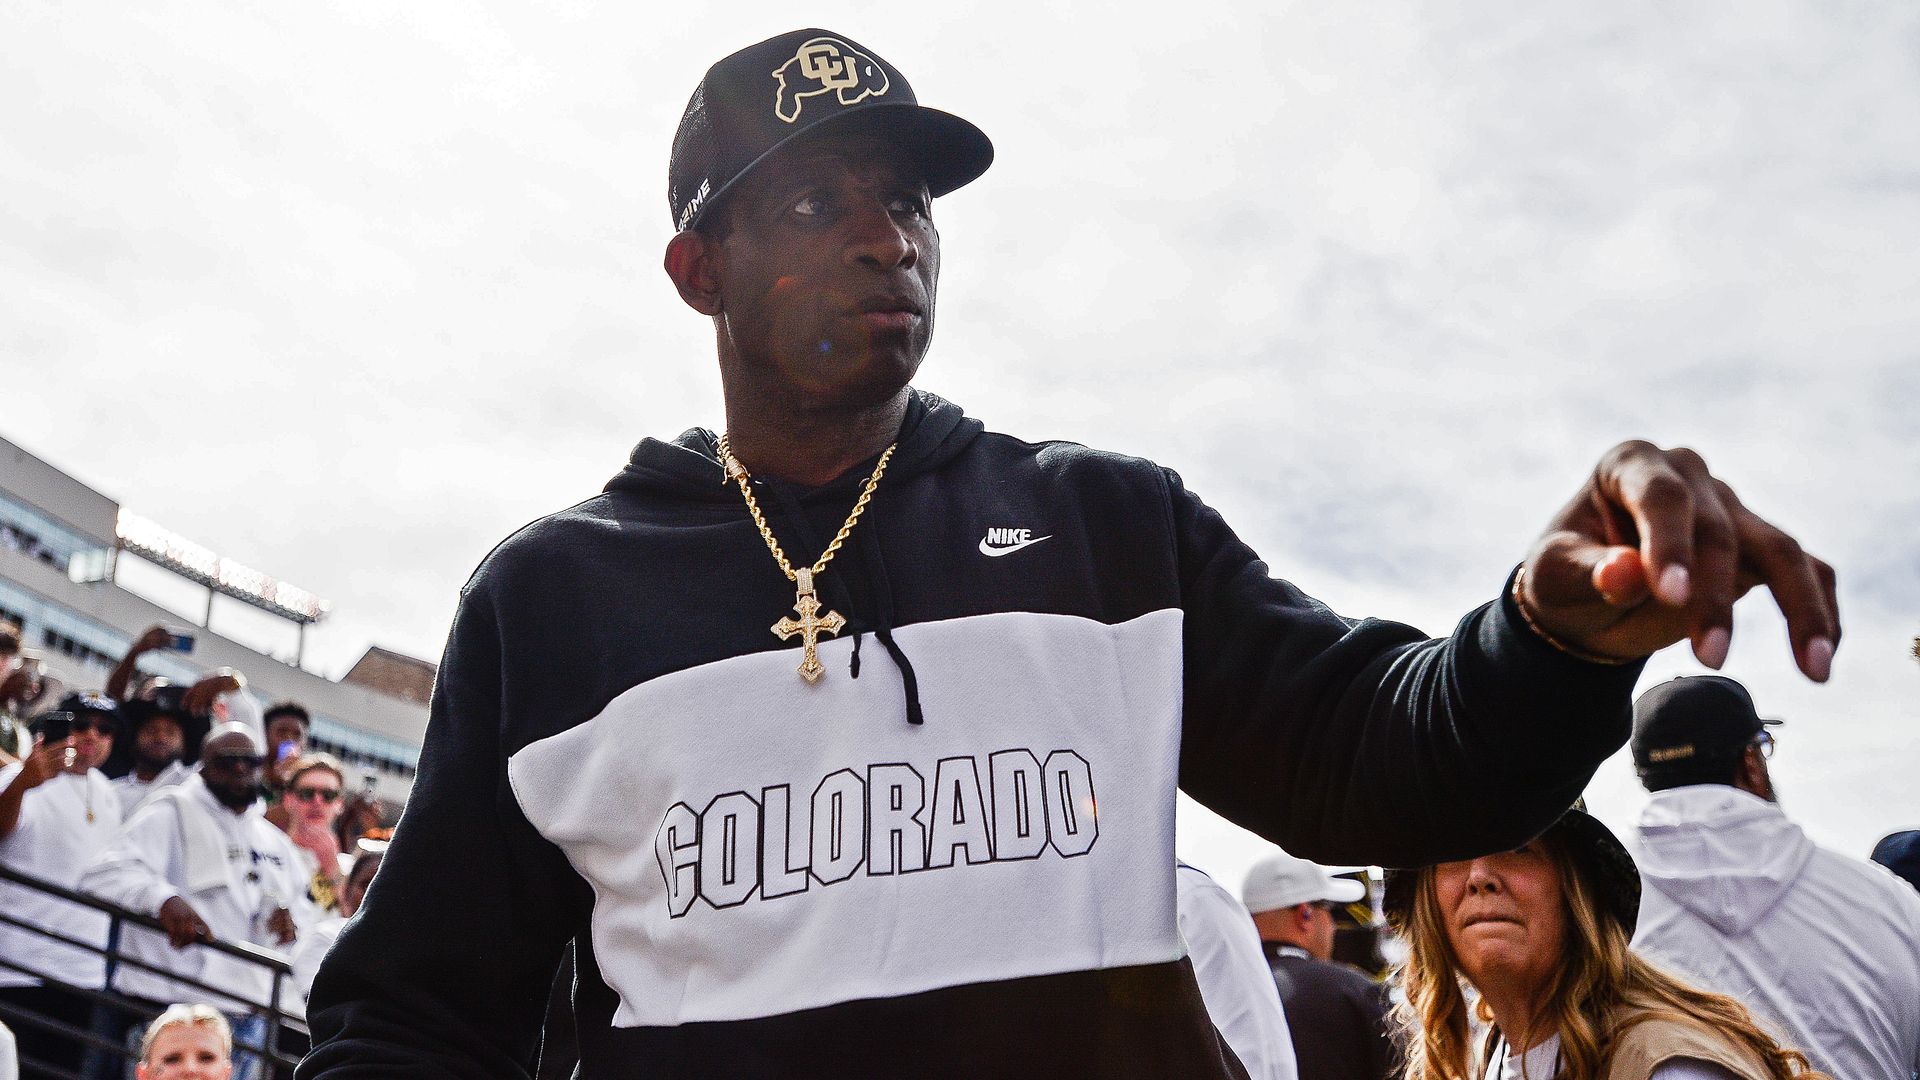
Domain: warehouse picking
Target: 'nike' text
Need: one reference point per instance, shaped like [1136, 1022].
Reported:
[1001, 541]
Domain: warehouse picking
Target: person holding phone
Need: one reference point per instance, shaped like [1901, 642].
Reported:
[26, 685]
[121, 684]
[284, 725]
[57, 811]
[157, 726]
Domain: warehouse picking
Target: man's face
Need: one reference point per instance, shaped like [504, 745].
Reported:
[1755, 776]
[230, 767]
[313, 797]
[92, 741]
[1323, 929]
[159, 743]
[286, 739]
[828, 270]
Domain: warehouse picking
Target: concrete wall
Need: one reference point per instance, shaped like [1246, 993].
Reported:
[57, 495]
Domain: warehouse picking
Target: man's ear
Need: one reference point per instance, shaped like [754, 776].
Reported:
[1752, 777]
[1302, 916]
[690, 263]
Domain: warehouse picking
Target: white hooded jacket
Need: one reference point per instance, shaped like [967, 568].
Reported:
[1823, 947]
[234, 869]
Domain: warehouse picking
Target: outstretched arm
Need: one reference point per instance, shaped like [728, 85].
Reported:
[1358, 741]
[120, 683]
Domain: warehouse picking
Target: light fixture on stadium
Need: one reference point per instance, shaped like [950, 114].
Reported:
[203, 567]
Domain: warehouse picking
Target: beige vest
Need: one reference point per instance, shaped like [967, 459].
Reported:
[1642, 1047]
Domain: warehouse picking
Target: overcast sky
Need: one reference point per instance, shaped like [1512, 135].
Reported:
[348, 292]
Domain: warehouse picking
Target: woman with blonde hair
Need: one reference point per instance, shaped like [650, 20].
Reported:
[1540, 933]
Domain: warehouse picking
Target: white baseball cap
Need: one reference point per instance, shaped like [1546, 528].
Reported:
[235, 727]
[1281, 881]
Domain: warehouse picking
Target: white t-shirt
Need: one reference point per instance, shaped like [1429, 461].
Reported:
[312, 949]
[55, 841]
[1541, 1062]
[134, 790]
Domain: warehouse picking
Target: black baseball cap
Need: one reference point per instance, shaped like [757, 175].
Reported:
[1900, 853]
[807, 81]
[1693, 723]
[89, 701]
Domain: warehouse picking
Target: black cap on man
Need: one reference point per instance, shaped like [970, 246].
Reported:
[807, 82]
[1694, 730]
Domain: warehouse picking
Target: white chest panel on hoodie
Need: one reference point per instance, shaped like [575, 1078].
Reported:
[758, 844]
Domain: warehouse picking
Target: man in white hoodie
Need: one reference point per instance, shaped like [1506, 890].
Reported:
[201, 858]
[1824, 946]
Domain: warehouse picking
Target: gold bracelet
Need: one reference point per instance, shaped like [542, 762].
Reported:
[1520, 604]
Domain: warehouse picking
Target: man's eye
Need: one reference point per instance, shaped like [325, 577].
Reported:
[810, 206]
[908, 204]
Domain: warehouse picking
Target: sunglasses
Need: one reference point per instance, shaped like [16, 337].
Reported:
[1764, 740]
[60, 726]
[316, 794]
[235, 761]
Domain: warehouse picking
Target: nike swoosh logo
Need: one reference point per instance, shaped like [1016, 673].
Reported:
[995, 552]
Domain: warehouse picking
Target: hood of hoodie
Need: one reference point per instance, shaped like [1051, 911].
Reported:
[1721, 853]
[934, 431]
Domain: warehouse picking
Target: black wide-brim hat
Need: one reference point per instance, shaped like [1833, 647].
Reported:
[164, 700]
[803, 84]
[1601, 859]
[168, 701]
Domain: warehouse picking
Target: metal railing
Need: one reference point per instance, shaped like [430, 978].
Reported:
[268, 1050]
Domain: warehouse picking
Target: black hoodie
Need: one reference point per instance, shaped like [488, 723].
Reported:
[951, 856]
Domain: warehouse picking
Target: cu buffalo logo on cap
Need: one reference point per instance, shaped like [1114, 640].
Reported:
[824, 64]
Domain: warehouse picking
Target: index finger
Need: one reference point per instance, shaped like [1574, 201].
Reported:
[1639, 478]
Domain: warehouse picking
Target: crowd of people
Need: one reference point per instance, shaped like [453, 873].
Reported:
[188, 805]
[1719, 942]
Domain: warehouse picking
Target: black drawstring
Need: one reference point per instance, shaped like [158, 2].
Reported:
[877, 573]
[837, 592]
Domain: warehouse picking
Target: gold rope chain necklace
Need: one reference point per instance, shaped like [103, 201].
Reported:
[811, 623]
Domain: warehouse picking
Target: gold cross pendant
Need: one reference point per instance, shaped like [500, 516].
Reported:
[809, 626]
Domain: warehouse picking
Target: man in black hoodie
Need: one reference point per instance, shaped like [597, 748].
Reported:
[654, 734]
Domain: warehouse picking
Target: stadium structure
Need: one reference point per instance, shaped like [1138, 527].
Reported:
[68, 557]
